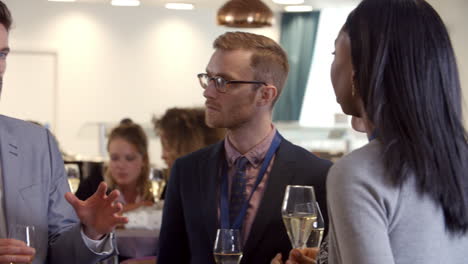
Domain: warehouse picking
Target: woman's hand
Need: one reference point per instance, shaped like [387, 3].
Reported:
[278, 259]
[303, 256]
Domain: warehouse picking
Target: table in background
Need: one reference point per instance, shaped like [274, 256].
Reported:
[140, 236]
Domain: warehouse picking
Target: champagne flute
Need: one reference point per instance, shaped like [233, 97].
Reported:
[228, 248]
[25, 233]
[299, 213]
[316, 235]
[157, 183]
[73, 175]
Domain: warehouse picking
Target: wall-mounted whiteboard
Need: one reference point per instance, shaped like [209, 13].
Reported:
[29, 87]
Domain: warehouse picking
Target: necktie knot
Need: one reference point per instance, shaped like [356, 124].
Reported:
[241, 163]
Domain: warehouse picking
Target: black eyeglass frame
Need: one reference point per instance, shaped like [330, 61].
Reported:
[224, 83]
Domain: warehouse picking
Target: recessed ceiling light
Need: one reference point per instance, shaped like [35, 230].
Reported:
[302, 8]
[125, 2]
[288, 2]
[62, 0]
[180, 6]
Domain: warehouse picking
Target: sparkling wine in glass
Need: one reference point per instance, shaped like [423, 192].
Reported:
[157, 183]
[316, 235]
[299, 213]
[73, 175]
[228, 247]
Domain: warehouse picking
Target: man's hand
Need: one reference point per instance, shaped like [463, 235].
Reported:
[99, 214]
[303, 256]
[12, 250]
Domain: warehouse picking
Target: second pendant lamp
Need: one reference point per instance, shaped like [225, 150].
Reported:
[245, 14]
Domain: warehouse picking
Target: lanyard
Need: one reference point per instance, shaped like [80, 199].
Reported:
[225, 192]
[373, 135]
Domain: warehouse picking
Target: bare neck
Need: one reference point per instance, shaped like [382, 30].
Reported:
[248, 135]
[129, 192]
[368, 125]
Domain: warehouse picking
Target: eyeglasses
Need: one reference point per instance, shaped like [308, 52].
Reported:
[221, 84]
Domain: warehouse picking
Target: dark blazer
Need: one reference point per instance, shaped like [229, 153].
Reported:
[190, 217]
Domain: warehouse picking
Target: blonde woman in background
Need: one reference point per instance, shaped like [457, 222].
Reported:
[129, 167]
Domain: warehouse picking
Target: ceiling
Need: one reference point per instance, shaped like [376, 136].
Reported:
[219, 3]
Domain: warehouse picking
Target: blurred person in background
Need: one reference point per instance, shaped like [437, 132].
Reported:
[129, 167]
[128, 171]
[183, 131]
[96, 172]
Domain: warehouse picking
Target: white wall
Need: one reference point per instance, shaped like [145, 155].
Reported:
[116, 62]
[453, 12]
[41, 71]
[132, 62]
[320, 98]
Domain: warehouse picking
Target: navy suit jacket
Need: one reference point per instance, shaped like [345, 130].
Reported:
[190, 217]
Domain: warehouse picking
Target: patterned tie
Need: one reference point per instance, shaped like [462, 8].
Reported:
[237, 189]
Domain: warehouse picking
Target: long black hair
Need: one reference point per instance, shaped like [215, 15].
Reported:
[406, 74]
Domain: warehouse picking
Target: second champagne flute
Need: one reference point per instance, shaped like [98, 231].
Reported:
[228, 247]
[316, 235]
[299, 213]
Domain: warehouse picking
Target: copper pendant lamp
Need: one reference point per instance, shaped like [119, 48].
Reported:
[245, 14]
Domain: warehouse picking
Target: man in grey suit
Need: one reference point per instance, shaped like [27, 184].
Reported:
[238, 183]
[32, 189]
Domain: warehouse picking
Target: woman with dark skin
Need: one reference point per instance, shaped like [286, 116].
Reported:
[402, 198]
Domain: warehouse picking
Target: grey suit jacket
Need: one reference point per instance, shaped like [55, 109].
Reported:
[34, 184]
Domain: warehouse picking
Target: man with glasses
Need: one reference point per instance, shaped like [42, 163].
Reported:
[239, 182]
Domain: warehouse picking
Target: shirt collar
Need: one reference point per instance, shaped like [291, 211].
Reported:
[255, 155]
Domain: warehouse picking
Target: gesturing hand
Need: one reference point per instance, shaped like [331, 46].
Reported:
[99, 214]
[12, 250]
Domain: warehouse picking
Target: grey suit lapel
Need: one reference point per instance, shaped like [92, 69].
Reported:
[270, 206]
[10, 174]
[209, 182]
